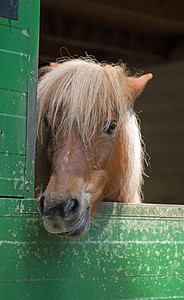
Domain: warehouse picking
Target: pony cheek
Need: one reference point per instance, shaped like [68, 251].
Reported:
[94, 189]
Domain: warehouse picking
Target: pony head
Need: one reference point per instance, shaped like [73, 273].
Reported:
[88, 142]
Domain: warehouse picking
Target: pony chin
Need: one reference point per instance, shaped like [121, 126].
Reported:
[63, 230]
[68, 213]
[66, 218]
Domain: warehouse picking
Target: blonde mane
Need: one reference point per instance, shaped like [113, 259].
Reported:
[90, 95]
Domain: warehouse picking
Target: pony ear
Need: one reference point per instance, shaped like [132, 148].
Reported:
[137, 84]
[53, 64]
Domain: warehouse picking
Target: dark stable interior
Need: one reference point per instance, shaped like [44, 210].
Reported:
[148, 36]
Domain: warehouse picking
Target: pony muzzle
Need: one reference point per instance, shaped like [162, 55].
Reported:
[64, 217]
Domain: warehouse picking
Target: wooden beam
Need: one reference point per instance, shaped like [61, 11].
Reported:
[171, 10]
[155, 17]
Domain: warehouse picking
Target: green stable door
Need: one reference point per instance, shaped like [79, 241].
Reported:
[130, 252]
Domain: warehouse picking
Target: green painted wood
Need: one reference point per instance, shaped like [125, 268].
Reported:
[12, 134]
[123, 288]
[14, 57]
[142, 210]
[14, 39]
[146, 211]
[32, 95]
[13, 72]
[103, 252]
[23, 21]
[130, 252]
[10, 207]
[12, 175]
[13, 103]
[91, 258]
[18, 73]
[12, 122]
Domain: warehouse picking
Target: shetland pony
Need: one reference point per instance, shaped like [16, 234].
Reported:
[89, 145]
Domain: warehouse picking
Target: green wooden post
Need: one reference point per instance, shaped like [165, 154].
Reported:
[18, 73]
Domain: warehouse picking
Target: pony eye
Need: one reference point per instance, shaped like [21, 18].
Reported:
[111, 128]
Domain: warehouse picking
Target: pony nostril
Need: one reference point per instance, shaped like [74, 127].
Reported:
[71, 209]
[42, 205]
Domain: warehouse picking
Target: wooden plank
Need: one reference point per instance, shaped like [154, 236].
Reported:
[142, 210]
[13, 103]
[157, 18]
[130, 252]
[169, 10]
[162, 144]
[164, 189]
[100, 288]
[12, 134]
[142, 247]
[14, 39]
[163, 133]
[23, 21]
[138, 288]
[169, 127]
[166, 165]
[9, 207]
[32, 96]
[155, 103]
[12, 175]
[19, 56]
[90, 260]
[13, 72]
[106, 209]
